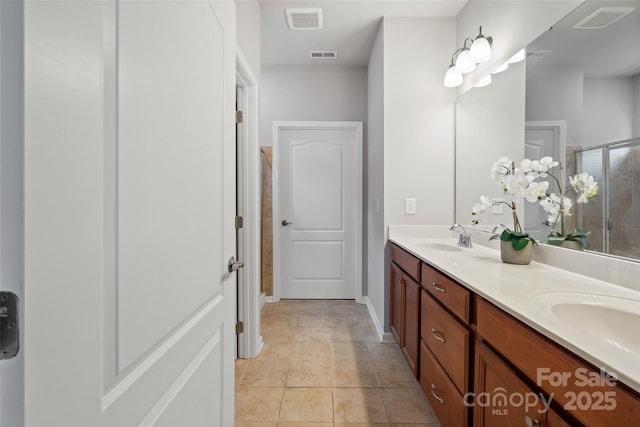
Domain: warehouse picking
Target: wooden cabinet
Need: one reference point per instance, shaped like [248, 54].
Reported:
[463, 348]
[405, 305]
[580, 390]
[501, 398]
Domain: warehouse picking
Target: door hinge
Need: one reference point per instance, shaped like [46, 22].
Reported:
[9, 332]
[238, 116]
[239, 222]
[239, 328]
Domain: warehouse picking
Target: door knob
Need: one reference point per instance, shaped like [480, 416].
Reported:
[234, 265]
[285, 222]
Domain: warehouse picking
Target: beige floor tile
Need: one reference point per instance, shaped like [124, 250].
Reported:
[309, 374]
[384, 352]
[279, 334]
[307, 405]
[268, 307]
[274, 320]
[296, 424]
[240, 367]
[264, 373]
[407, 406]
[349, 351]
[311, 351]
[361, 425]
[258, 404]
[255, 424]
[370, 334]
[358, 405]
[327, 321]
[276, 352]
[395, 373]
[353, 373]
[329, 335]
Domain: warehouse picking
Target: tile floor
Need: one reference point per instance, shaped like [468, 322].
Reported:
[323, 366]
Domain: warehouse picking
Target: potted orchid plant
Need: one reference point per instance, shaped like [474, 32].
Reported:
[526, 182]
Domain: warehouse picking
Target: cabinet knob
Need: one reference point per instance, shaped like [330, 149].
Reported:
[531, 422]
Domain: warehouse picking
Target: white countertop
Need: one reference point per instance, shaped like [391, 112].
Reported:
[523, 291]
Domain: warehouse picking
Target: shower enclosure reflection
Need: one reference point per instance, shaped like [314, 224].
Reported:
[614, 218]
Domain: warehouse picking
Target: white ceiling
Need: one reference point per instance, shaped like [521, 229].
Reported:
[610, 52]
[350, 27]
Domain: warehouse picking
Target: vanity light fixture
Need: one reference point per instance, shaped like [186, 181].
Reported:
[519, 56]
[485, 81]
[501, 68]
[464, 63]
[481, 48]
[467, 58]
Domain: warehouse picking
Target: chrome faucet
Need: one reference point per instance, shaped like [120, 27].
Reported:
[464, 240]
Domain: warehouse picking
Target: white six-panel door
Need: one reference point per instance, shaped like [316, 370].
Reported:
[130, 198]
[318, 214]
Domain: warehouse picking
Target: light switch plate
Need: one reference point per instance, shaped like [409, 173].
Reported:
[410, 206]
[496, 207]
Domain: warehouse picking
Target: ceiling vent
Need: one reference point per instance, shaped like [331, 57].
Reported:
[603, 17]
[304, 19]
[323, 54]
[537, 54]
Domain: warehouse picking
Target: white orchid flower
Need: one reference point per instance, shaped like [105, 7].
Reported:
[536, 191]
[585, 186]
[479, 209]
[502, 167]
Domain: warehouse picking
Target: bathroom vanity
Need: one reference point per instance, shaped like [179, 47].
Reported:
[494, 344]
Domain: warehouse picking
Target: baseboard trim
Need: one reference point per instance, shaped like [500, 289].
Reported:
[382, 335]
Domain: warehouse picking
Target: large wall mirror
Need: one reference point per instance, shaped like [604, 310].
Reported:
[582, 106]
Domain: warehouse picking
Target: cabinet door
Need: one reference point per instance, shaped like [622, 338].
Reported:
[500, 397]
[411, 343]
[397, 303]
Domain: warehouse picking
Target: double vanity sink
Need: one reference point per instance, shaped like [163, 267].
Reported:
[597, 320]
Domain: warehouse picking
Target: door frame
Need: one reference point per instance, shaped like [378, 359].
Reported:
[559, 128]
[250, 341]
[278, 126]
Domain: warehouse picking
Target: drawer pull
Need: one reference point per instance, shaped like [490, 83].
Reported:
[436, 336]
[401, 281]
[433, 392]
[438, 288]
[531, 423]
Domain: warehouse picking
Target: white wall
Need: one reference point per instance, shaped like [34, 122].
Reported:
[609, 110]
[483, 135]
[374, 180]
[419, 117]
[12, 196]
[248, 32]
[319, 92]
[555, 92]
[512, 24]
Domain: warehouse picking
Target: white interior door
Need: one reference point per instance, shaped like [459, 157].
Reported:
[129, 206]
[542, 139]
[318, 202]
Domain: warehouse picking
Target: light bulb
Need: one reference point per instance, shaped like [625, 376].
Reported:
[464, 64]
[452, 78]
[480, 50]
[501, 68]
[517, 57]
[486, 81]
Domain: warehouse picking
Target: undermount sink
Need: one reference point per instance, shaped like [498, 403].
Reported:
[435, 246]
[612, 319]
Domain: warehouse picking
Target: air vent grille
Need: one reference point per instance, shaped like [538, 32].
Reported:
[323, 54]
[603, 17]
[304, 19]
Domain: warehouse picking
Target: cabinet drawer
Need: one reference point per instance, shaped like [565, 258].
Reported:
[447, 339]
[406, 261]
[449, 293]
[445, 400]
[529, 351]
